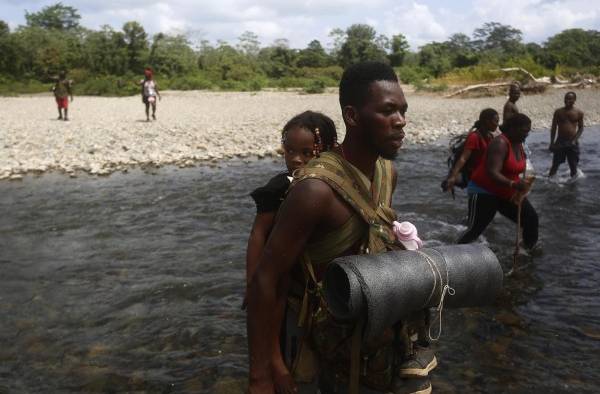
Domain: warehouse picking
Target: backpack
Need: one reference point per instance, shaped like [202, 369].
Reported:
[456, 147]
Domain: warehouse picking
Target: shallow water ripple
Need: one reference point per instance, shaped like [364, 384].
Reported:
[134, 282]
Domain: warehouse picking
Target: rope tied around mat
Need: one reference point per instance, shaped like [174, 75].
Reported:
[445, 289]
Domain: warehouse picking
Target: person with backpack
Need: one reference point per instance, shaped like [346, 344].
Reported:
[468, 150]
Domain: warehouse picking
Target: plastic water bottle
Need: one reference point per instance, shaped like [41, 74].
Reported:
[529, 170]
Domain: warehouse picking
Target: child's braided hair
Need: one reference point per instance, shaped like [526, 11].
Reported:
[321, 126]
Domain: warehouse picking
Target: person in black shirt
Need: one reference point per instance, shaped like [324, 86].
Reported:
[303, 137]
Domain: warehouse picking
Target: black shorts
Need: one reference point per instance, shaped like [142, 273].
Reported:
[565, 150]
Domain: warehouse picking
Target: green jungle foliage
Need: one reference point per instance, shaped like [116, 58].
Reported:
[111, 62]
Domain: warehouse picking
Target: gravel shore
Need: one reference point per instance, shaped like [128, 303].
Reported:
[110, 134]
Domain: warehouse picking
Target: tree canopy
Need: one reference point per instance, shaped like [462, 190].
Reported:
[57, 16]
[52, 40]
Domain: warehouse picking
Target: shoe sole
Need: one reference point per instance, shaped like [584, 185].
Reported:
[419, 372]
[424, 391]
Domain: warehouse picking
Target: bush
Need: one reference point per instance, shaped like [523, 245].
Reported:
[412, 74]
[472, 75]
[331, 75]
[108, 85]
[315, 86]
[256, 84]
[188, 82]
[11, 87]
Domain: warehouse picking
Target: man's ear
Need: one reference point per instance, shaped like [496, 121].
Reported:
[350, 115]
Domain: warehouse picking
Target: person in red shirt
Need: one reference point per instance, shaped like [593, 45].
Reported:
[495, 185]
[476, 144]
[62, 90]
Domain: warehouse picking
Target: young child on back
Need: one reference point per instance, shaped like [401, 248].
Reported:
[304, 136]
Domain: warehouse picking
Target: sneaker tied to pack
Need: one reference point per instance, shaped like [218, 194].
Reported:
[406, 234]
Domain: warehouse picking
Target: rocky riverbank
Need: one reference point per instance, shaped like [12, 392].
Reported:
[110, 134]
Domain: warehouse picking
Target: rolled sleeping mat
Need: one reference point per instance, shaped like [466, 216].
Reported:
[388, 287]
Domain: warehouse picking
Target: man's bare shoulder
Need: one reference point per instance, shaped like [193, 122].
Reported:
[306, 203]
[317, 189]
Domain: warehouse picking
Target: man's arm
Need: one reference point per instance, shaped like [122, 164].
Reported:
[553, 128]
[579, 126]
[305, 207]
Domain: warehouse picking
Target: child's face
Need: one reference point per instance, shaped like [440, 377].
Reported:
[298, 148]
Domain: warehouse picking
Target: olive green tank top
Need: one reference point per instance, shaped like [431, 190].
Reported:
[371, 201]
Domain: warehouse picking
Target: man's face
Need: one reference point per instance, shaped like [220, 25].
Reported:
[569, 100]
[514, 94]
[381, 118]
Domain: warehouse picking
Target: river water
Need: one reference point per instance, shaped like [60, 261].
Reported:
[133, 282]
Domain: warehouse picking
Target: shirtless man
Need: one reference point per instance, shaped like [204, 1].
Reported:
[569, 122]
[510, 108]
[373, 109]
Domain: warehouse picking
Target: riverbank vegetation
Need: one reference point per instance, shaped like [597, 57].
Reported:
[110, 62]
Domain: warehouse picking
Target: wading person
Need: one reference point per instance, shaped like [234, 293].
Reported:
[495, 185]
[339, 204]
[568, 120]
[475, 146]
[305, 136]
[149, 93]
[510, 107]
[62, 91]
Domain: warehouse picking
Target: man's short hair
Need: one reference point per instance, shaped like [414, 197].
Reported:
[571, 93]
[514, 87]
[356, 79]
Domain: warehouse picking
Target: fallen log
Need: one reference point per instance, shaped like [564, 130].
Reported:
[530, 75]
[479, 86]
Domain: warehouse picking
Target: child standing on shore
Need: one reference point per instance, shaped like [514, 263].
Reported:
[62, 90]
[305, 136]
[569, 122]
[149, 93]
